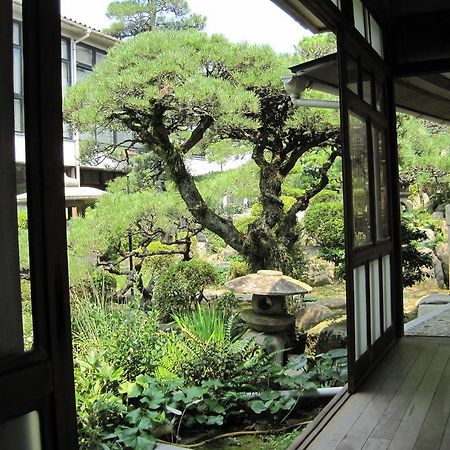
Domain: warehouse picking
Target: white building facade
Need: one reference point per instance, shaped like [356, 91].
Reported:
[81, 49]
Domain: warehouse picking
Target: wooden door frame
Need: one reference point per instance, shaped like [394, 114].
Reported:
[42, 379]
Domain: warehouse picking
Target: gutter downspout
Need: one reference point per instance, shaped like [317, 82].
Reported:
[74, 79]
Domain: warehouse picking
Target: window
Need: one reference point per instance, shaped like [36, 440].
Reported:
[87, 58]
[66, 78]
[337, 3]
[18, 77]
[360, 181]
[368, 27]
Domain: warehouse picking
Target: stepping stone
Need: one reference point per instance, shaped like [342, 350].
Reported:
[431, 303]
[434, 299]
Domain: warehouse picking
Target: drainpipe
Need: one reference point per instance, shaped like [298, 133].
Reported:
[311, 103]
[315, 393]
[74, 79]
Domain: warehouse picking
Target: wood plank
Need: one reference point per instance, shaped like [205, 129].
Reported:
[434, 426]
[445, 444]
[335, 431]
[409, 428]
[361, 429]
[320, 421]
[376, 444]
[392, 416]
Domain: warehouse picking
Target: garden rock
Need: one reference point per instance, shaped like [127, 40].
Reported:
[320, 272]
[228, 251]
[333, 303]
[310, 315]
[441, 252]
[327, 335]
[439, 272]
[214, 294]
[430, 235]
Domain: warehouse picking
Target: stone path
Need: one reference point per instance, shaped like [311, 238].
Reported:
[434, 317]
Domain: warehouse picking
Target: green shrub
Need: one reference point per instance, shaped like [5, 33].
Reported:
[413, 260]
[215, 243]
[103, 283]
[22, 219]
[227, 303]
[99, 408]
[238, 267]
[324, 222]
[180, 287]
[209, 348]
[326, 195]
[128, 337]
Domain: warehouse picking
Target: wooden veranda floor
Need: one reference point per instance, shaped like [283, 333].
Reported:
[404, 405]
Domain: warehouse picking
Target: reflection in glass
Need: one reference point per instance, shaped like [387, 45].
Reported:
[352, 75]
[367, 86]
[20, 188]
[376, 38]
[379, 96]
[360, 181]
[380, 184]
[358, 15]
[84, 55]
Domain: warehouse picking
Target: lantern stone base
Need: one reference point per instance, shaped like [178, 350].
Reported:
[267, 323]
[274, 343]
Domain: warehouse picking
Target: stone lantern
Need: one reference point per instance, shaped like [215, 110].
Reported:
[268, 320]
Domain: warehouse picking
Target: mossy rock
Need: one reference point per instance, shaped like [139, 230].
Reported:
[327, 335]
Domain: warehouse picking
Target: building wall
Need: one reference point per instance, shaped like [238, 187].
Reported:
[81, 49]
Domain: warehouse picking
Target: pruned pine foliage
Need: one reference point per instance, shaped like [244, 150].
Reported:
[181, 93]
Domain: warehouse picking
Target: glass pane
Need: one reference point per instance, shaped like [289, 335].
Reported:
[337, 3]
[358, 15]
[65, 75]
[360, 181]
[380, 184]
[352, 74]
[99, 57]
[17, 71]
[84, 55]
[367, 86]
[65, 49]
[67, 131]
[16, 34]
[379, 95]
[376, 36]
[82, 73]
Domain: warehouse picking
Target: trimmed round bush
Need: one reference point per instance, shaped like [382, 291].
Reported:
[180, 287]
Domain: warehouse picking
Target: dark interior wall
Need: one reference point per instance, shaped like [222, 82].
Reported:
[421, 31]
[408, 7]
[422, 37]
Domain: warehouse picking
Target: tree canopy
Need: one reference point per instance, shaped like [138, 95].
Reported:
[131, 17]
[424, 149]
[179, 92]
